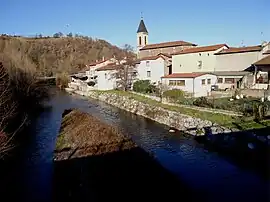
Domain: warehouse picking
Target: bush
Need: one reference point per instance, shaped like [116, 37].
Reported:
[62, 80]
[174, 95]
[202, 102]
[143, 86]
[21, 94]
[91, 83]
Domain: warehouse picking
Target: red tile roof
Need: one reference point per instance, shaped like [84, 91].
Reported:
[263, 62]
[167, 44]
[201, 49]
[184, 75]
[98, 62]
[267, 52]
[112, 66]
[240, 50]
[160, 55]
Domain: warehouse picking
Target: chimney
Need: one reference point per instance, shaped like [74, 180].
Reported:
[96, 60]
[103, 58]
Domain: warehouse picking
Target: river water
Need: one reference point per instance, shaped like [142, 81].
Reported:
[205, 171]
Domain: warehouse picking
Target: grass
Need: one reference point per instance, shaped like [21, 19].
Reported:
[221, 119]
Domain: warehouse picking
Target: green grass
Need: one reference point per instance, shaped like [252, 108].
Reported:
[221, 119]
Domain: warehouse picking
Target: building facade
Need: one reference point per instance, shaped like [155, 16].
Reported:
[153, 68]
[198, 59]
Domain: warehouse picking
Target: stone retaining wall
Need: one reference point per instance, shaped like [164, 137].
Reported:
[182, 122]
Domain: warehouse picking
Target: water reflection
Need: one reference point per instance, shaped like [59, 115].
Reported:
[179, 153]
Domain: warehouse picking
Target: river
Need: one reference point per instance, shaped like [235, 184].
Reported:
[181, 154]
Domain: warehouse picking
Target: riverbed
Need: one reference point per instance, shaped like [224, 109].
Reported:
[205, 171]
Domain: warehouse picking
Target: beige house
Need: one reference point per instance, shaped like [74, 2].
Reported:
[198, 59]
[144, 49]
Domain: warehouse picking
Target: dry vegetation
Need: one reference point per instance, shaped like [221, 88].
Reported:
[55, 55]
[20, 95]
[82, 135]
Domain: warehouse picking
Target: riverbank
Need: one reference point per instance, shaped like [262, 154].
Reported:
[190, 121]
[105, 165]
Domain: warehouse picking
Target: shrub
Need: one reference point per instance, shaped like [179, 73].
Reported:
[143, 86]
[91, 83]
[62, 80]
[259, 111]
[174, 95]
[21, 94]
[202, 102]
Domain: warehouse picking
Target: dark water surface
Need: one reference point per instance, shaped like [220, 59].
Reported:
[181, 154]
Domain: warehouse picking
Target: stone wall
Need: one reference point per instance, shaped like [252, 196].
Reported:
[173, 119]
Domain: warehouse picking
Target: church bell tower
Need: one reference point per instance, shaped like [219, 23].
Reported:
[142, 35]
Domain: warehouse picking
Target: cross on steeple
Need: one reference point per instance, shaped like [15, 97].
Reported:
[141, 15]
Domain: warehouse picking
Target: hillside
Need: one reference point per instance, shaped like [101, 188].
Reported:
[52, 55]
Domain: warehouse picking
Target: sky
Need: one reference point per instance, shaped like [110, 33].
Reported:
[203, 22]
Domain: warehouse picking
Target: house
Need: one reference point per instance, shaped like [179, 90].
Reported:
[263, 72]
[198, 59]
[91, 68]
[106, 79]
[231, 79]
[144, 49]
[115, 75]
[240, 58]
[153, 68]
[196, 84]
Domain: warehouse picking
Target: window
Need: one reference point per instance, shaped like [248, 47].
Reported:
[220, 80]
[199, 64]
[200, 54]
[229, 80]
[145, 40]
[147, 63]
[181, 83]
[203, 81]
[208, 81]
[177, 82]
[140, 40]
[148, 73]
[105, 75]
[180, 65]
[208, 54]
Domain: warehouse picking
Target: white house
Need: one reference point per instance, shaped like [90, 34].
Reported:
[106, 79]
[198, 59]
[196, 84]
[153, 68]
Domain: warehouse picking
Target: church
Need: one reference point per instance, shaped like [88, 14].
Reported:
[144, 49]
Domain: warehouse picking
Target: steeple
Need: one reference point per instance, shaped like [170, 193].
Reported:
[142, 27]
[142, 35]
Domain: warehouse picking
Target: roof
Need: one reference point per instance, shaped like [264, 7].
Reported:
[240, 50]
[231, 73]
[98, 62]
[264, 61]
[142, 27]
[112, 66]
[201, 49]
[167, 44]
[160, 55]
[267, 52]
[184, 75]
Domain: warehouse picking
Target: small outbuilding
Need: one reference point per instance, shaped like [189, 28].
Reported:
[196, 84]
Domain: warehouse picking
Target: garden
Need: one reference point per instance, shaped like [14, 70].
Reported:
[251, 108]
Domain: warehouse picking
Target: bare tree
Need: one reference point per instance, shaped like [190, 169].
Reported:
[125, 70]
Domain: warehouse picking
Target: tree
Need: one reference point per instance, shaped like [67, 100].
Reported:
[70, 34]
[58, 35]
[125, 70]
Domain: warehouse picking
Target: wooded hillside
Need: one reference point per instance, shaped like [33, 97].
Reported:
[51, 55]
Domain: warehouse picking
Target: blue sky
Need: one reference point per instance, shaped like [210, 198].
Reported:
[199, 21]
